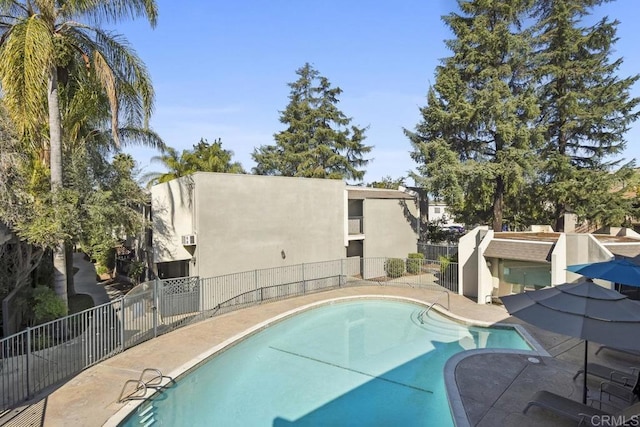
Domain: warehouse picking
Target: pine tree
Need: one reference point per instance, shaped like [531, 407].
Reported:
[475, 143]
[319, 141]
[586, 110]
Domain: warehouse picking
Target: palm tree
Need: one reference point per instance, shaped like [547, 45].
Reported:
[173, 162]
[45, 42]
[204, 157]
[207, 157]
[88, 147]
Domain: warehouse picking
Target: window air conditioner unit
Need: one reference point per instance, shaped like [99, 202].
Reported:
[189, 240]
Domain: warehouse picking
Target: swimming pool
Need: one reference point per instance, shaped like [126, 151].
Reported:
[362, 362]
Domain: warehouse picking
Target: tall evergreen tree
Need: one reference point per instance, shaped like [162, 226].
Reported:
[586, 109]
[474, 144]
[319, 141]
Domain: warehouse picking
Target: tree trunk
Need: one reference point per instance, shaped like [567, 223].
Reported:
[423, 207]
[560, 211]
[71, 291]
[55, 144]
[498, 202]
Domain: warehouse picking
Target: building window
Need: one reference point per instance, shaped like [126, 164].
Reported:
[436, 210]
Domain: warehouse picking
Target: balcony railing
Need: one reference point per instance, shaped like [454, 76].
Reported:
[355, 225]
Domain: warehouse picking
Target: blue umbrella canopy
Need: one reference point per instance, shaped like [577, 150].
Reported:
[583, 310]
[616, 270]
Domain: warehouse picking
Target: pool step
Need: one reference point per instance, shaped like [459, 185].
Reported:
[431, 320]
[440, 328]
[147, 415]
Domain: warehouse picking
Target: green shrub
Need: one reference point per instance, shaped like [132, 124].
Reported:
[444, 263]
[104, 255]
[46, 305]
[110, 261]
[101, 269]
[394, 267]
[136, 269]
[414, 262]
[449, 268]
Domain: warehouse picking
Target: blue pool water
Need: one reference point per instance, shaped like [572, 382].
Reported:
[365, 362]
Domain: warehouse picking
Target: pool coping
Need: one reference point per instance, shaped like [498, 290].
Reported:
[455, 401]
[456, 405]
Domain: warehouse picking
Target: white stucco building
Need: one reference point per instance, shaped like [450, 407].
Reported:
[493, 264]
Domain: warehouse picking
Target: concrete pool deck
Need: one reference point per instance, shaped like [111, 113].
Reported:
[493, 388]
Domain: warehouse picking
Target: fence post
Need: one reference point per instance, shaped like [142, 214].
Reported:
[122, 322]
[28, 363]
[198, 288]
[342, 260]
[255, 275]
[154, 308]
[304, 283]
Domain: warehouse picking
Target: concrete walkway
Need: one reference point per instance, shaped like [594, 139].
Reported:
[492, 388]
[495, 387]
[84, 281]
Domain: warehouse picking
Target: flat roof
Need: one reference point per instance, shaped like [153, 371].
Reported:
[532, 236]
[607, 238]
[376, 193]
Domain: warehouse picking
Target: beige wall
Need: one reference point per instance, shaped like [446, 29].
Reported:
[172, 218]
[559, 261]
[390, 227]
[468, 256]
[583, 249]
[247, 222]
[484, 289]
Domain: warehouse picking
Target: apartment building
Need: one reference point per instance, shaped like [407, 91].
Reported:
[211, 224]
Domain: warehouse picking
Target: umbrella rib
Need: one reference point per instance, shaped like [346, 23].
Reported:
[587, 316]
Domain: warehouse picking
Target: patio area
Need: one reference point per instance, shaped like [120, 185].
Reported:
[495, 387]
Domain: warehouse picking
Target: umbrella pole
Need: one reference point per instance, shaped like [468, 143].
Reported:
[584, 385]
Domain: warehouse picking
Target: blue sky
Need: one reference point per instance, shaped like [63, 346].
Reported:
[220, 68]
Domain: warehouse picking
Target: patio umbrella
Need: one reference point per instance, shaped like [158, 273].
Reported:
[616, 270]
[583, 310]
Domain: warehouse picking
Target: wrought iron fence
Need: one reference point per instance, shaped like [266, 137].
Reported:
[44, 355]
[411, 271]
[435, 251]
[39, 357]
